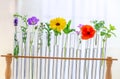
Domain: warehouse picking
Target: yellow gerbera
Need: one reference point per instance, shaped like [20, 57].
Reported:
[57, 24]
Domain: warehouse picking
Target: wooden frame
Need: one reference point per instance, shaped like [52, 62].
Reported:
[9, 57]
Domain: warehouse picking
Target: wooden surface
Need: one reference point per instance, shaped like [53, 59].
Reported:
[109, 65]
[8, 66]
[65, 58]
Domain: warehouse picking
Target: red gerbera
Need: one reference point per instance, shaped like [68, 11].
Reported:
[87, 32]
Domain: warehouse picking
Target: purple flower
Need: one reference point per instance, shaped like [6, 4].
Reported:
[32, 21]
[78, 32]
[16, 22]
[80, 25]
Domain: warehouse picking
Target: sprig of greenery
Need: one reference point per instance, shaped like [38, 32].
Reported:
[23, 28]
[24, 31]
[40, 29]
[56, 33]
[67, 30]
[98, 24]
[48, 29]
[108, 32]
[105, 32]
[16, 48]
[24, 18]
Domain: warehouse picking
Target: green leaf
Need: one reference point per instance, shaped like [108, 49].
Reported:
[94, 22]
[67, 29]
[36, 27]
[69, 23]
[112, 27]
[108, 35]
[16, 50]
[98, 24]
[47, 24]
[102, 33]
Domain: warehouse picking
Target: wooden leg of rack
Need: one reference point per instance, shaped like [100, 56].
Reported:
[8, 66]
[109, 65]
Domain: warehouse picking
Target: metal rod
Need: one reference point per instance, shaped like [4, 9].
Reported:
[88, 63]
[64, 67]
[80, 63]
[97, 40]
[45, 63]
[37, 67]
[56, 64]
[104, 62]
[32, 73]
[53, 62]
[101, 62]
[48, 65]
[40, 63]
[76, 68]
[72, 63]
[17, 68]
[69, 64]
[92, 68]
[22, 61]
[85, 62]
[61, 65]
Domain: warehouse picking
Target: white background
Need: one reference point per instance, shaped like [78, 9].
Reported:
[7, 9]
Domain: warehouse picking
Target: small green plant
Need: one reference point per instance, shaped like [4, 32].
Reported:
[105, 32]
[67, 30]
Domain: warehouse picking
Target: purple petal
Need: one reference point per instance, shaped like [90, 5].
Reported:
[80, 25]
[16, 22]
[78, 32]
[32, 21]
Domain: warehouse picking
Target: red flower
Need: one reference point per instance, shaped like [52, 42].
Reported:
[87, 32]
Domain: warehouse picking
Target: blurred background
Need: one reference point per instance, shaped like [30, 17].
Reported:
[79, 11]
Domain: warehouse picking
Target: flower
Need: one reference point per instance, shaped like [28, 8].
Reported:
[32, 21]
[57, 24]
[87, 32]
[15, 21]
[80, 25]
[77, 32]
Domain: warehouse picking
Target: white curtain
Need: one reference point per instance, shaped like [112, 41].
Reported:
[80, 11]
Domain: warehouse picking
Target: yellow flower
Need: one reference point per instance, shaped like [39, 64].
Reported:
[57, 24]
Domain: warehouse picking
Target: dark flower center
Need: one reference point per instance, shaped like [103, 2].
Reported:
[88, 33]
[57, 24]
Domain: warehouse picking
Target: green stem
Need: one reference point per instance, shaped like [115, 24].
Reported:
[65, 45]
[56, 40]
[49, 40]
[78, 47]
[103, 50]
[48, 36]
[103, 46]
